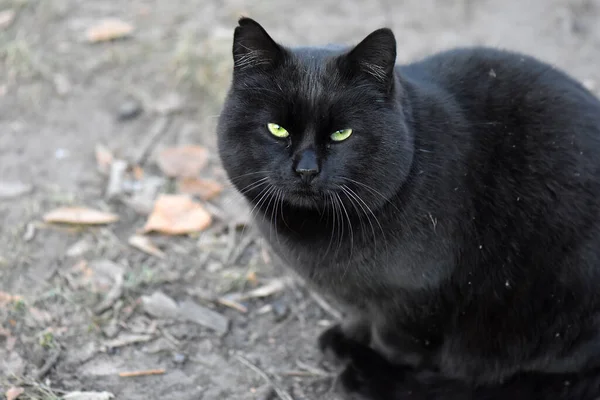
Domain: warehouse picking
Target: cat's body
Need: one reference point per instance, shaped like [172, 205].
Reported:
[461, 220]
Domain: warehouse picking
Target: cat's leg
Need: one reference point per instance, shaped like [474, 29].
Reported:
[369, 376]
[339, 339]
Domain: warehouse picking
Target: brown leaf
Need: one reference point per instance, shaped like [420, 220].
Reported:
[104, 159]
[206, 189]
[14, 392]
[80, 216]
[143, 243]
[177, 215]
[183, 162]
[109, 29]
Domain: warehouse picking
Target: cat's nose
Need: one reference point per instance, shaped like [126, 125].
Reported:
[307, 167]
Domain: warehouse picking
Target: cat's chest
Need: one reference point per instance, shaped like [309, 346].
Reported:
[359, 266]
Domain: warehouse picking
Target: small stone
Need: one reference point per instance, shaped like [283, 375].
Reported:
[129, 109]
[280, 310]
[179, 358]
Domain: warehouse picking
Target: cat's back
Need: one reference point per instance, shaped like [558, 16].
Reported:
[493, 81]
[523, 118]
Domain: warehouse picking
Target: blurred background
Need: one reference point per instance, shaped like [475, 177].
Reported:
[127, 266]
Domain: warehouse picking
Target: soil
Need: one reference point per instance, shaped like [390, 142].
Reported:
[61, 96]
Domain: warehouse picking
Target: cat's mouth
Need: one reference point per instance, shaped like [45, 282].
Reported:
[305, 196]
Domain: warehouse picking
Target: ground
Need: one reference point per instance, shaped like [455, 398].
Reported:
[79, 305]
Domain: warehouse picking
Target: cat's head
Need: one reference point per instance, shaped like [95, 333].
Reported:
[311, 124]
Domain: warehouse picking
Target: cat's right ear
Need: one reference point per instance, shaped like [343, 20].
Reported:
[253, 47]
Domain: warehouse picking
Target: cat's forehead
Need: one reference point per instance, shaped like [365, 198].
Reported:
[314, 69]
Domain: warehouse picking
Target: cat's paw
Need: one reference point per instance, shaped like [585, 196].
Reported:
[369, 376]
[334, 343]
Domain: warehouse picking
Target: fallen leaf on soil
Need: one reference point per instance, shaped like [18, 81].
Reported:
[206, 189]
[104, 159]
[133, 374]
[177, 215]
[14, 392]
[6, 18]
[10, 190]
[183, 162]
[203, 316]
[160, 305]
[88, 396]
[80, 216]
[128, 339]
[143, 243]
[109, 29]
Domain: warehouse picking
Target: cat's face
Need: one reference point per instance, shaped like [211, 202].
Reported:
[314, 126]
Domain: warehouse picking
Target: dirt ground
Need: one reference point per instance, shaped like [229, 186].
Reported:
[79, 305]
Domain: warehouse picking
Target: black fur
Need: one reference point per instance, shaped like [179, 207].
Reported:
[459, 223]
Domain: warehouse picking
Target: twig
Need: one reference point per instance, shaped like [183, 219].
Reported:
[281, 393]
[244, 243]
[230, 244]
[152, 139]
[50, 362]
[313, 370]
[325, 306]
[133, 374]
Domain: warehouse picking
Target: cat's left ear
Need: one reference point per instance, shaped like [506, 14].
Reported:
[374, 56]
[253, 47]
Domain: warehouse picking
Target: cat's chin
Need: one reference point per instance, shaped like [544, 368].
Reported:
[304, 199]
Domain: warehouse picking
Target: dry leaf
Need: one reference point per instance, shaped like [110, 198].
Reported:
[183, 162]
[109, 29]
[177, 215]
[80, 216]
[206, 189]
[104, 159]
[144, 244]
[14, 392]
[6, 18]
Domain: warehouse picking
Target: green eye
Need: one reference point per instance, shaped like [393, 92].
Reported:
[340, 135]
[277, 130]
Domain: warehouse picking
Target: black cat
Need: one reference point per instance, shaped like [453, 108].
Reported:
[452, 204]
